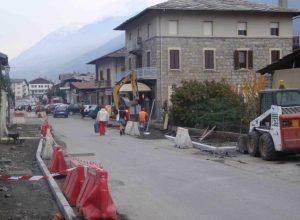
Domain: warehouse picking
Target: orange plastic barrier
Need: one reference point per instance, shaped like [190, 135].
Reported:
[19, 114]
[73, 182]
[44, 128]
[94, 200]
[57, 163]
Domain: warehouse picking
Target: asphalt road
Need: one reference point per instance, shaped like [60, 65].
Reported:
[150, 179]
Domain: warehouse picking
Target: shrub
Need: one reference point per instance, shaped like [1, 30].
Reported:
[209, 103]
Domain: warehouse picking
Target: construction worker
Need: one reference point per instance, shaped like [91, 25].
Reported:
[143, 118]
[122, 119]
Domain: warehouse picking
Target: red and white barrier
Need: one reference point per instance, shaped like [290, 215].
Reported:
[19, 118]
[28, 178]
[57, 163]
[94, 200]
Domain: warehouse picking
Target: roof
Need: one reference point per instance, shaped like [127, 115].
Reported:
[84, 85]
[289, 61]
[115, 54]
[212, 5]
[18, 80]
[40, 81]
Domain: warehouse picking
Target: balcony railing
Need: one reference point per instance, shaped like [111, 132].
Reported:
[141, 73]
[104, 84]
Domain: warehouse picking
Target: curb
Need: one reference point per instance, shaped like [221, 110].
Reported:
[205, 146]
[63, 204]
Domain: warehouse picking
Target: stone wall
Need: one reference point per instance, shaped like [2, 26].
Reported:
[191, 56]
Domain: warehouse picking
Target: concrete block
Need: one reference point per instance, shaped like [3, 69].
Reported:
[182, 139]
[132, 128]
[48, 149]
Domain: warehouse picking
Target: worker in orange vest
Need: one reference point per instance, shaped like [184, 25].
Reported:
[143, 118]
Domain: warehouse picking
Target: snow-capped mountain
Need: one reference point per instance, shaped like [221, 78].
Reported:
[55, 53]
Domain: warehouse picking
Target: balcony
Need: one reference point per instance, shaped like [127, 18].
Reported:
[141, 73]
[102, 84]
[134, 46]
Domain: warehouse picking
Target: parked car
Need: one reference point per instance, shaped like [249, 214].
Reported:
[61, 111]
[86, 109]
[50, 107]
[21, 108]
[93, 111]
[73, 109]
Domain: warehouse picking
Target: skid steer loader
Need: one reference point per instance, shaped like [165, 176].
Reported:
[277, 128]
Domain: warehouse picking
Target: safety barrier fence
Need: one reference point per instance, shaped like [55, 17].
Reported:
[85, 186]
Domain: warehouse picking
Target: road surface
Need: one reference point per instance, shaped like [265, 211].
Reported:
[151, 179]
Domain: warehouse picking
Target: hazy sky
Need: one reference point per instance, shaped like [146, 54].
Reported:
[25, 22]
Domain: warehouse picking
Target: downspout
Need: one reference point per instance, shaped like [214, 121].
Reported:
[161, 84]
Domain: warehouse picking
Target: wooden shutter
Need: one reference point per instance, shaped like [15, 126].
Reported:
[236, 60]
[176, 56]
[108, 76]
[171, 59]
[97, 74]
[148, 59]
[209, 59]
[275, 55]
[101, 75]
[174, 59]
[250, 59]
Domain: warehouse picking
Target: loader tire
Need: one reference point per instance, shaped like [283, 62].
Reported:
[266, 147]
[242, 144]
[253, 143]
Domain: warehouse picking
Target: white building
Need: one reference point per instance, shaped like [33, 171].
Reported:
[38, 87]
[20, 88]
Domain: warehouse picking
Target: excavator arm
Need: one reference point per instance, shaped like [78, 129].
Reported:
[133, 80]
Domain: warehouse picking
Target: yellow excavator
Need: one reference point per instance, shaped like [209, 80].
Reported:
[133, 80]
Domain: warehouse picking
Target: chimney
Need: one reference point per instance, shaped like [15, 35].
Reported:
[283, 3]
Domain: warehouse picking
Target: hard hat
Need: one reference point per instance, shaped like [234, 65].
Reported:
[281, 84]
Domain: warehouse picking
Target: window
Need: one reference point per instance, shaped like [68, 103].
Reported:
[108, 75]
[173, 27]
[138, 31]
[274, 29]
[174, 61]
[148, 59]
[208, 28]
[149, 30]
[275, 55]
[243, 59]
[209, 59]
[129, 36]
[242, 29]
[101, 75]
[129, 63]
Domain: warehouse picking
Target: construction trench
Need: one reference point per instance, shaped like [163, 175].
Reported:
[33, 199]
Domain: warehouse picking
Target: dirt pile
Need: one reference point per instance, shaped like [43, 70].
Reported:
[23, 199]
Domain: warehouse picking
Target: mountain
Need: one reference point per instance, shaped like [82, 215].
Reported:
[68, 49]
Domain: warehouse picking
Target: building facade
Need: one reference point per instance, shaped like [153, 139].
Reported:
[108, 72]
[20, 88]
[205, 40]
[39, 87]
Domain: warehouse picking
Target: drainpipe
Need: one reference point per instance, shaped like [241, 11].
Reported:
[161, 83]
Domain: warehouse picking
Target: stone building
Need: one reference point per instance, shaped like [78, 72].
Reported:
[205, 40]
